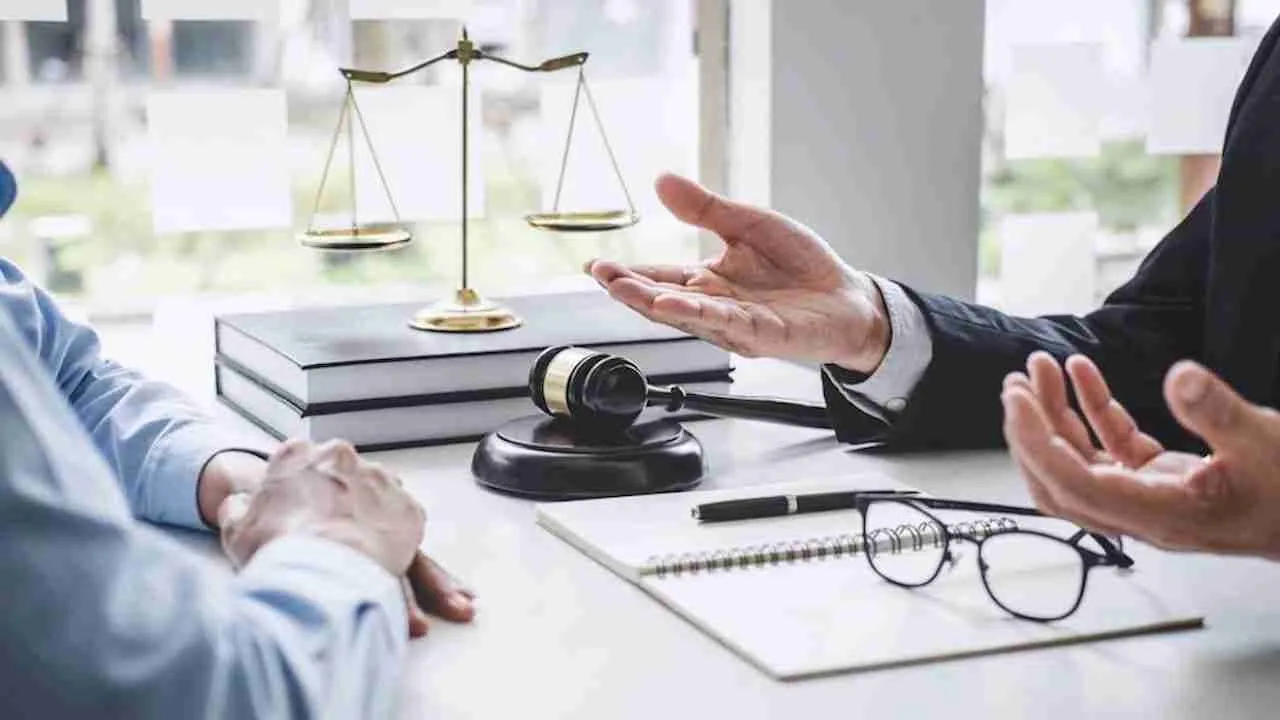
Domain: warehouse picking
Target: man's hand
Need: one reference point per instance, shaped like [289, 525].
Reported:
[228, 484]
[1228, 502]
[777, 289]
[331, 492]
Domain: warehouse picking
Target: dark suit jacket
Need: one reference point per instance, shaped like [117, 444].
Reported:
[1209, 291]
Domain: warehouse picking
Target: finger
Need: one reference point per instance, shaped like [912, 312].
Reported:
[1053, 462]
[1017, 379]
[1211, 482]
[1208, 407]
[290, 450]
[679, 275]
[340, 454]
[418, 622]
[695, 205]
[438, 593]
[1115, 427]
[1051, 388]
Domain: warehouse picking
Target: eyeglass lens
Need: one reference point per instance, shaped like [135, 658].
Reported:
[1031, 574]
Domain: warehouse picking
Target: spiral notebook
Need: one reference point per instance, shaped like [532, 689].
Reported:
[795, 597]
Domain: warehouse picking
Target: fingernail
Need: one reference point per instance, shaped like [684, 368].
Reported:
[586, 267]
[460, 602]
[1192, 386]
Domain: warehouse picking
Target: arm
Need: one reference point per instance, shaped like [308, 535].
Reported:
[105, 616]
[156, 441]
[1142, 329]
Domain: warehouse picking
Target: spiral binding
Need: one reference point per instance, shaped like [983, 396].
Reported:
[903, 538]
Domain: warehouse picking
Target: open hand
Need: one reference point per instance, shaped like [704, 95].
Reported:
[1228, 502]
[777, 289]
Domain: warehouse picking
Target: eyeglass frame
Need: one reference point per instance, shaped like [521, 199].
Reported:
[1111, 556]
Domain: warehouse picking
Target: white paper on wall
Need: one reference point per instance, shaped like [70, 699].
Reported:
[651, 124]
[1054, 107]
[219, 160]
[410, 9]
[1048, 263]
[1193, 82]
[41, 10]
[260, 10]
[416, 134]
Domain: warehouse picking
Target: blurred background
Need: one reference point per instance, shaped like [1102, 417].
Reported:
[120, 211]
[1103, 119]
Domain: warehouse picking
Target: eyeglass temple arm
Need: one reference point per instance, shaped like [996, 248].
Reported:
[941, 504]
[1112, 552]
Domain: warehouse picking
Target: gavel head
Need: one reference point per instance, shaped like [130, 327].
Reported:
[596, 390]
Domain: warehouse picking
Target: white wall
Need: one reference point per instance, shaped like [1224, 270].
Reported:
[863, 119]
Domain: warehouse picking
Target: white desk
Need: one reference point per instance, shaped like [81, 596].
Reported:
[558, 636]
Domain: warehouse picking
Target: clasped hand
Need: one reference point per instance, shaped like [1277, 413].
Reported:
[1226, 502]
[328, 490]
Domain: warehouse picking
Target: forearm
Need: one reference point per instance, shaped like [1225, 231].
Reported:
[106, 617]
[957, 401]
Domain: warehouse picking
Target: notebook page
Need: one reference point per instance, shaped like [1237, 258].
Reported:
[826, 616]
[624, 534]
[811, 617]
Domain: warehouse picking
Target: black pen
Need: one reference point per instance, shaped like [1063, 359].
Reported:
[777, 505]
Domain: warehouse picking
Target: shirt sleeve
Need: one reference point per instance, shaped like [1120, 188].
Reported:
[885, 393]
[107, 617]
[155, 440]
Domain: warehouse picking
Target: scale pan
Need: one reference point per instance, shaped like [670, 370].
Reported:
[596, 221]
[363, 237]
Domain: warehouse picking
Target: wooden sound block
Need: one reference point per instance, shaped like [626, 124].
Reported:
[552, 459]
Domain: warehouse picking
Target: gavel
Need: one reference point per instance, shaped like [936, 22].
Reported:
[607, 393]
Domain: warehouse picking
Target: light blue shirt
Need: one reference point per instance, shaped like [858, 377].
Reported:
[103, 615]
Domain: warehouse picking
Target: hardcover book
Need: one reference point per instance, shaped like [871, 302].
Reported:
[328, 355]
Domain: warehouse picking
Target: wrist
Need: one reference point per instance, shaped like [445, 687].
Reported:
[228, 473]
[875, 333]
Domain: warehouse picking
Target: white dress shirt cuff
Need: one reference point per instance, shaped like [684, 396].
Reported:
[887, 391]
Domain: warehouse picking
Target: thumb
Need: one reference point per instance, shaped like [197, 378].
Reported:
[231, 515]
[1208, 407]
[696, 205]
[233, 510]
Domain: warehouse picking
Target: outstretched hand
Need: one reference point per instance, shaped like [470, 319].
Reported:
[776, 290]
[1227, 502]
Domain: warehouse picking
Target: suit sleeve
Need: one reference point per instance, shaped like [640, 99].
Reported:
[1157, 318]
[1143, 328]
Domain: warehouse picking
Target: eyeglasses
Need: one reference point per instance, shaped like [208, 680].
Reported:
[1030, 574]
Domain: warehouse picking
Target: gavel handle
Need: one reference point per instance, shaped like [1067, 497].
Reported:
[774, 410]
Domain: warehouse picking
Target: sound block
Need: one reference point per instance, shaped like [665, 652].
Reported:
[552, 459]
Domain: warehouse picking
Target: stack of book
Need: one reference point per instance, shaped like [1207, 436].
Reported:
[363, 375]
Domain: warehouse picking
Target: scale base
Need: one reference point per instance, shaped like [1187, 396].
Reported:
[551, 459]
[467, 312]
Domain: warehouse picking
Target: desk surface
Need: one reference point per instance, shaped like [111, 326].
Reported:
[558, 636]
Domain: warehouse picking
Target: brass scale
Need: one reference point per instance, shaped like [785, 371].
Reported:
[468, 310]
